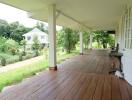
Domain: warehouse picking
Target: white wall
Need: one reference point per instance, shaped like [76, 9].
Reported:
[127, 65]
[45, 40]
[124, 29]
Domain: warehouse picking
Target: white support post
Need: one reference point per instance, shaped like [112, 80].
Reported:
[52, 37]
[81, 43]
[91, 40]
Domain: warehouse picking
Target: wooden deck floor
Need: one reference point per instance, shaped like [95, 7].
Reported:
[80, 78]
[95, 61]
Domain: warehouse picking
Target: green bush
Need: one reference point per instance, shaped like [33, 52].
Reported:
[23, 43]
[13, 59]
[28, 56]
[3, 61]
[20, 57]
[36, 53]
[2, 44]
[12, 46]
[13, 51]
[23, 53]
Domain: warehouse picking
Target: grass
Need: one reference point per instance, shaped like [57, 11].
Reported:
[17, 75]
[13, 76]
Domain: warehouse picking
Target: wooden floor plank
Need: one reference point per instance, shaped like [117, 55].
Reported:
[129, 87]
[38, 84]
[71, 94]
[64, 93]
[106, 95]
[116, 95]
[39, 94]
[91, 89]
[99, 88]
[61, 88]
[124, 90]
[83, 88]
[84, 77]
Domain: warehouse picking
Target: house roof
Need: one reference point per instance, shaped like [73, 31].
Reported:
[35, 31]
[96, 14]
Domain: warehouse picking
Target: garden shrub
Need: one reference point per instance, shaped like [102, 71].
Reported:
[3, 46]
[3, 61]
[12, 59]
[28, 56]
[12, 46]
[23, 53]
[36, 53]
[20, 57]
[13, 51]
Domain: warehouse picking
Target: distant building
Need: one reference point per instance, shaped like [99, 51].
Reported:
[42, 37]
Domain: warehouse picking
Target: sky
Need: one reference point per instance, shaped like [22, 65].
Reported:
[11, 14]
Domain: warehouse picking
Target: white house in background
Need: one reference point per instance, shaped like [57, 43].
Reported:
[42, 36]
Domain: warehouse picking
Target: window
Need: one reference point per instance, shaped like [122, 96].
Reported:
[128, 29]
[42, 37]
[28, 37]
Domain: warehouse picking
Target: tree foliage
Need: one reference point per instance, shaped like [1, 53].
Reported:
[67, 38]
[103, 38]
[17, 30]
[36, 43]
[23, 43]
[41, 26]
[86, 39]
[8, 45]
[11, 36]
[4, 28]
[12, 46]
[14, 30]
[3, 44]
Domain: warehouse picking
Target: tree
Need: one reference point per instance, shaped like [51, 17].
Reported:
[4, 29]
[35, 45]
[3, 46]
[86, 38]
[67, 38]
[97, 37]
[41, 26]
[8, 45]
[103, 38]
[23, 43]
[12, 46]
[17, 31]
[111, 40]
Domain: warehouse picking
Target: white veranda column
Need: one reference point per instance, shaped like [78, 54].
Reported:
[81, 43]
[91, 40]
[52, 37]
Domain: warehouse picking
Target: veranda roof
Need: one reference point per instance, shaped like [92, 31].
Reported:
[95, 14]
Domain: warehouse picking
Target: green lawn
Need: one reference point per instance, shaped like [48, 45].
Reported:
[17, 75]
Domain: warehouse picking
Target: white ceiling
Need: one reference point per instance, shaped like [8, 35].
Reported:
[97, 14]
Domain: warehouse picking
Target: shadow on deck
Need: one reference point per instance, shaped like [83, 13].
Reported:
[83, 77]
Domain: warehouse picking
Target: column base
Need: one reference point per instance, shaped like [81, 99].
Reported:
[53, 68]
[81, 53]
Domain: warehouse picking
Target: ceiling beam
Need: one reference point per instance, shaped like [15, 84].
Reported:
[75, 20]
